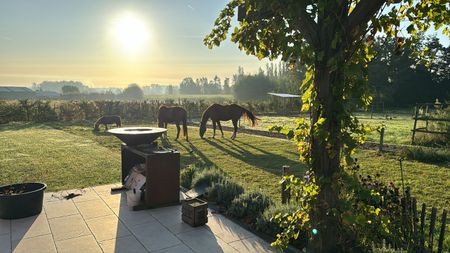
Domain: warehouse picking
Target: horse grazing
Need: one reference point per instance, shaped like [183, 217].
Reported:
[173, 114]
[105, 120]
[219, 113]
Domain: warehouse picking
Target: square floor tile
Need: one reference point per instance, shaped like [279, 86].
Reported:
[154, 236]
[93, 209]
[182, 248]
[85, 244]
[131, 218]
[57, 209]
[203, 240]
[5, 227]
[68, 227]
[253, 244]
[175, 224]
[115, 201]
[5, 243]
[107, 227]
[29, 227]
[127, 244]
[106, 189]
[86, 194]
[39, 244]
[227, 230]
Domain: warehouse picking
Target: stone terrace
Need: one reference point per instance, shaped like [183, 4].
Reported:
[99, 221]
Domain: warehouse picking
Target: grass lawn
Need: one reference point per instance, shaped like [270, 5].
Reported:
[71, 156]
[397, 127]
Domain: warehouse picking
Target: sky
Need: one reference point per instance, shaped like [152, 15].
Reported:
[111, 43]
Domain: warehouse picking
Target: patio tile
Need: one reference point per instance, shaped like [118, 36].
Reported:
[174, 223]
[203, 240]
[226, 229]
[29, 227]
[57, 209]
[182, 248]
[93, 209]
[253, 244]
[86, 194]
[115, 201]
[132, 218]
[107, 227]
[5, 227]
[39, 244]
[68, 227]
[105, 189]
[5, 243]
[85, 244]
[164, 212]
[54, 196]
[154, 236]
[127, 244]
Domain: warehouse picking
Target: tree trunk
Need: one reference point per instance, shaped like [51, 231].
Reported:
[325, 150]
[325, 138]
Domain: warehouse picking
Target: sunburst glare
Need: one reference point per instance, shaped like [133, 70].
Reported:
[131, 32]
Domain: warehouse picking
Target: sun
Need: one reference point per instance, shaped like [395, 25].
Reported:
[131, 32]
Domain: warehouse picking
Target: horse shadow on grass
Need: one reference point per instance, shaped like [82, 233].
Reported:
[190, 154]
[261, 159]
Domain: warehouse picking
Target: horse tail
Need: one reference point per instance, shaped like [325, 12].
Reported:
[184, 120]
[250, 116]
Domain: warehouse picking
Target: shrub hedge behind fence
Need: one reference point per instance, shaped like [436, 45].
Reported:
[53, 110]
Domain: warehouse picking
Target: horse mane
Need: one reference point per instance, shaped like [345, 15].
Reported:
[205, 116]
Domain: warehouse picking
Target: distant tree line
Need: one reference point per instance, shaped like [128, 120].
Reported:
[204, 86]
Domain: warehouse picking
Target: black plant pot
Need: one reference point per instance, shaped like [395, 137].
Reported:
[27, 202]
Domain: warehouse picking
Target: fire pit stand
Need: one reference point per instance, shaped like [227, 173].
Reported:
[162, 171]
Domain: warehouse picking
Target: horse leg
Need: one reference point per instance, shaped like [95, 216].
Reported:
[106, 127]
[214, 129]
[235, 125]
[165, 126]
[220, 127]
[178, 130]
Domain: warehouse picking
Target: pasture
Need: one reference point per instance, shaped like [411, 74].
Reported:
[69, 156]
[397, 125]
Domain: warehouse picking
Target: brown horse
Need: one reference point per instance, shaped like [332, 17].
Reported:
[173, 114]
[219, 113]
[105, 120]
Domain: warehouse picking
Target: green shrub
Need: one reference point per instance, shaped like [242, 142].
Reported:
[249, 206]
[427, 155]
[264, 222]
[207, 176]
[186, 176]
[224, 191]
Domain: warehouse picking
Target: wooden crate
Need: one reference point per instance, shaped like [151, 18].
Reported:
[194, 212]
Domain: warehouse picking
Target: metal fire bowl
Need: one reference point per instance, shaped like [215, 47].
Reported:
[134, 136]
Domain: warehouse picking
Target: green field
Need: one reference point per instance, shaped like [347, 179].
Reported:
[397, 125]
[73, 156]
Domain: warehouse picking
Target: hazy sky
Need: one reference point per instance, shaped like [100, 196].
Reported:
[113, 43]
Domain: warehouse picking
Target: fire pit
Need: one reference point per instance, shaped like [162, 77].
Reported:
[161, 165]
[133, 136]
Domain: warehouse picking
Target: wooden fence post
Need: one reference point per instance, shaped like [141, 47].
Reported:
[432, 223]
[422, 228]
[416, 115]
[285, 194]
[441, 234]
[380, 148]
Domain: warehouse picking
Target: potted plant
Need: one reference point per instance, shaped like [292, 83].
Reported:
[21, 200]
